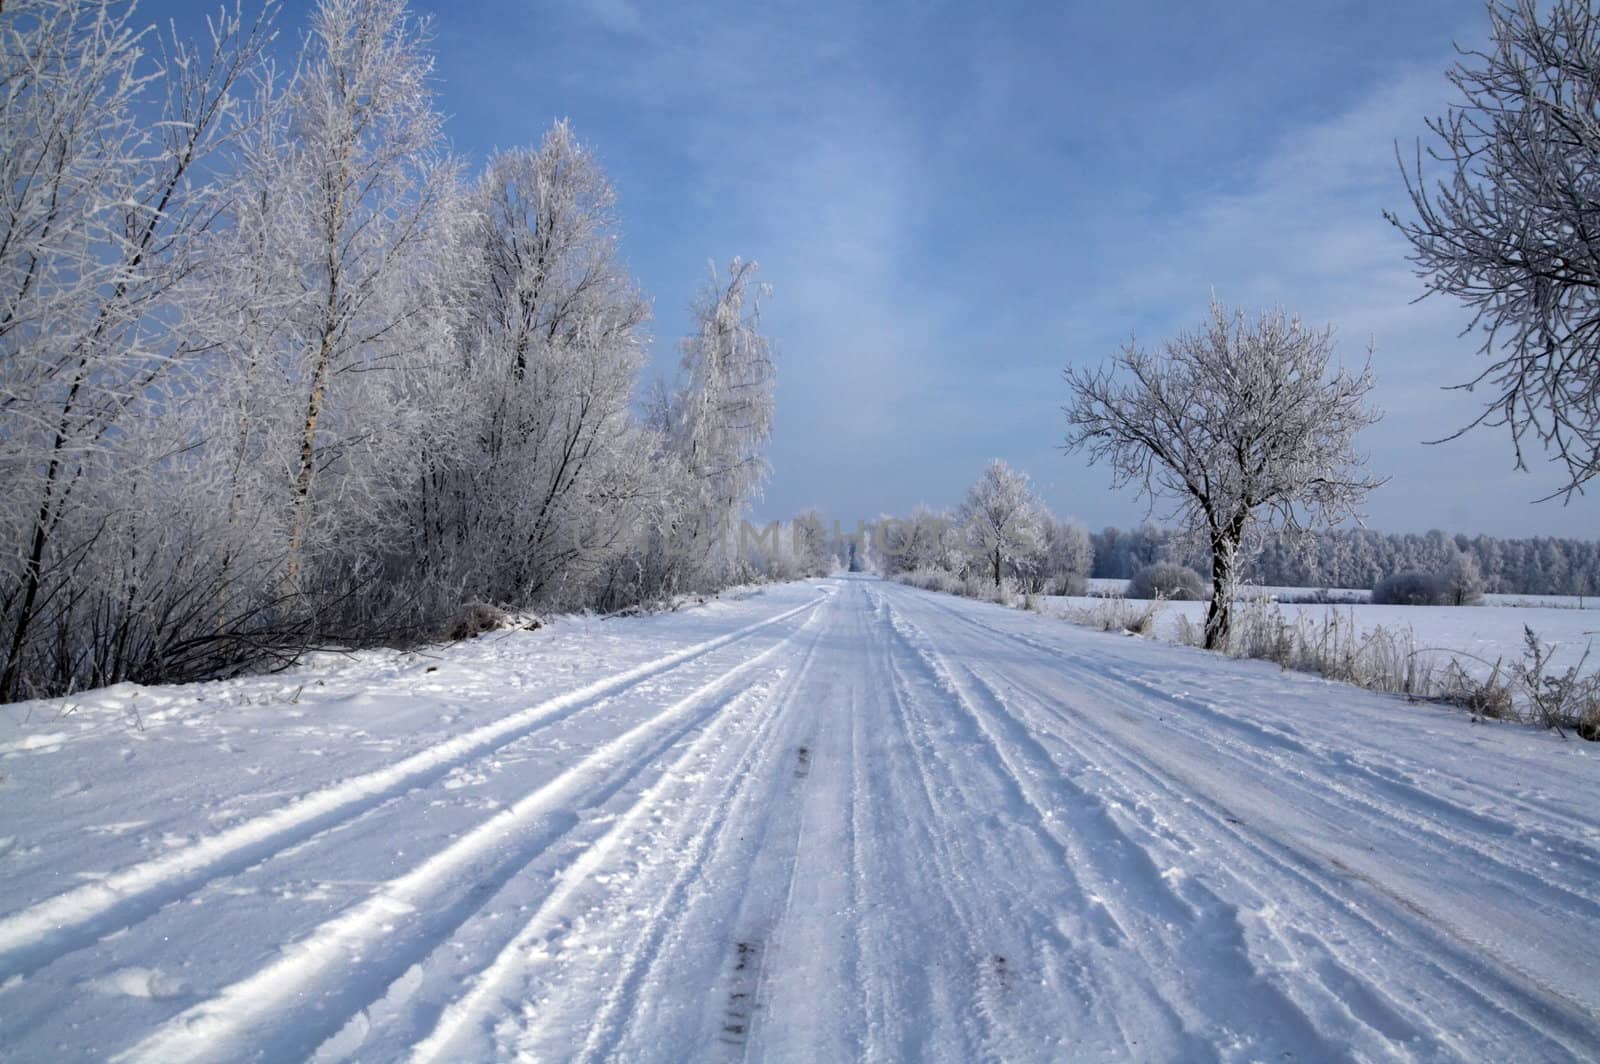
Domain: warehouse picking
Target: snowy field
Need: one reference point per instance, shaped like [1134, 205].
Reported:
[834, 820]
[1479, 635]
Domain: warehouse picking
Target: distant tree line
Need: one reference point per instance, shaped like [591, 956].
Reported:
[1361, 558]
[1002, 536]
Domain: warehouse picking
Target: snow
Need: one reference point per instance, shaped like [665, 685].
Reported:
[1479, 636]
[838, 819]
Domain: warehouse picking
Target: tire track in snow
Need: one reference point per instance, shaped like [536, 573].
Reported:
[1185, 900]
[37, 935]
[1511, 870]
[866, 961]
[804, 964]
[1142, 1013]
[1282, 857]
[347, 962]
[726, 941]
[989, 1039]
[1568, 827]
[1476, 831]
[1115, 1009]
[1476, 969]
[1288, 863]
[1145, 909]
[1320, 884]
[454, 1036]
[1352, 806]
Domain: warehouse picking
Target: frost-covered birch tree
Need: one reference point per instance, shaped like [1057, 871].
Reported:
[107, 133]
[1002, 517]
[1510, 228]
[553, 352]
[1242, 426]
[723, 415]
[367, 194]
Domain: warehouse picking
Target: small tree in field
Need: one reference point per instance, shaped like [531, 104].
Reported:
[1244, 425]
[1462, 580]
[1003, 518]
[1510, 229]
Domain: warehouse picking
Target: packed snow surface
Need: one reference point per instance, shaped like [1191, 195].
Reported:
[835, 820]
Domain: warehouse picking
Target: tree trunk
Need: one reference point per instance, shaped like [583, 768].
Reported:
[44, 522]
[997, 568]
[333, 226]
[33, 570]
[308, 455]
[1219, 616]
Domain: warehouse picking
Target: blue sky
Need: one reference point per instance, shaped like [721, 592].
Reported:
[952, 203]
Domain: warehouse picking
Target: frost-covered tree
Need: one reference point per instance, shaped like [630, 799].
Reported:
[367, 190]
[1462, 580]
[809, 542]
[925, 540]
[1241, 425]
[1068, 557]
[107, 133]
[1060, 560]
[273, 374]
[552, 478]
[723, 415]
[1166, 580]
[1509, 228]
[1002, 518]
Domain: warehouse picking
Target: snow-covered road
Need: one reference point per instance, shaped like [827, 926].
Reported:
[835, 820]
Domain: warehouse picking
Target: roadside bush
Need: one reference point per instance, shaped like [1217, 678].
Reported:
[1334, 646]
[1166, 580]
[1558, 700]
[1118, 615]
[1389, 660]
[1492, 698]
[973, 586]
[1410, 588]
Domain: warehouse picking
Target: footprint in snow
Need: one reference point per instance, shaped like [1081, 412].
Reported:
[150, 983]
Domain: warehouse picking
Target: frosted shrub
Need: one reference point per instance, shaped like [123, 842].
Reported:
[1388, 659]
[1186, 632]
[1113, 614]
[1558, 700]
[1410, 588]
[1334, 646]
[1166, 580]
[932, 580]
[973, 585]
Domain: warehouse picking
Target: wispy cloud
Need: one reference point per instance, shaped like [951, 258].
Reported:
[952, 203]
[618, 16]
